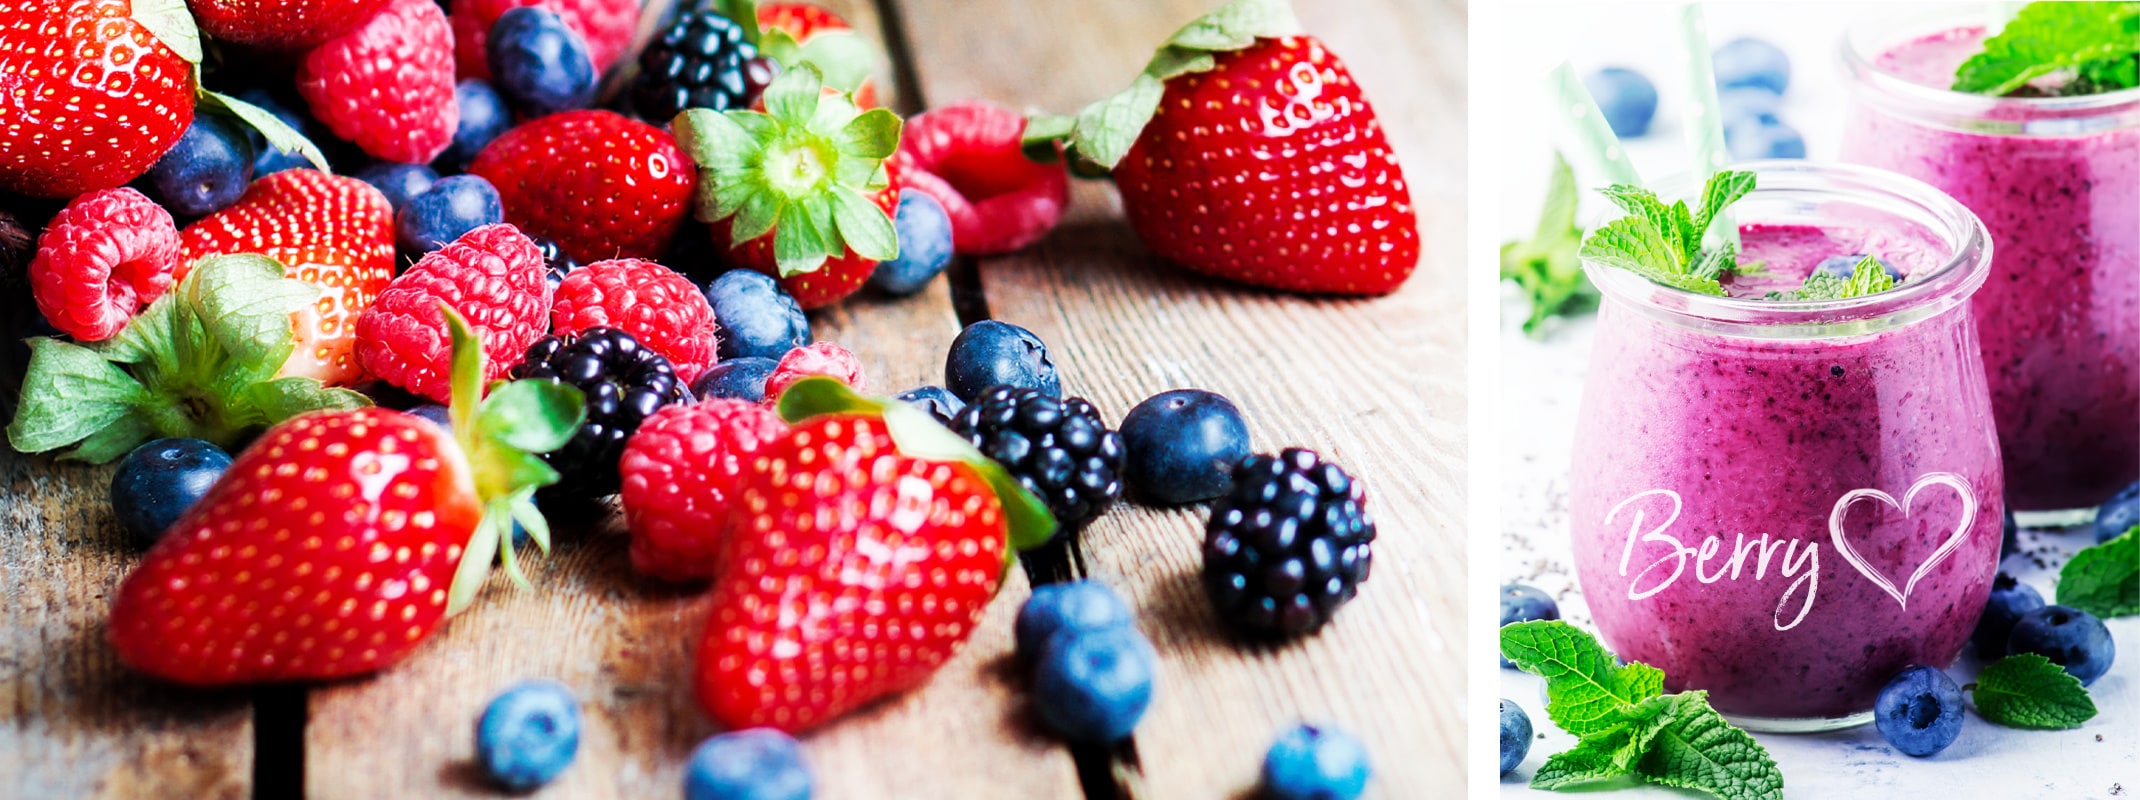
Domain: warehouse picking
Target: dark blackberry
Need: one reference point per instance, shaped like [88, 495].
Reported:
[1288, 546]
[555, 261]
[701, 61]
[1060, 450]
[624, 383]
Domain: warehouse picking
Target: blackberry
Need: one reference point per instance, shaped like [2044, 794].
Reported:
[1060, 450]
[701, 61]
[557, 264]
[624, 383]
[1288, 546]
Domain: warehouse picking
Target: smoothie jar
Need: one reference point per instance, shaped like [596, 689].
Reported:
[1785, 503]
[2057, 182]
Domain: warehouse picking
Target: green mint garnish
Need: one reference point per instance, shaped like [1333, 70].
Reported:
[1627, 726]
[1664, 242]
[2104, 579]
[1867, 278]
[1546, 267]
[2096, 44]
[2028, 691]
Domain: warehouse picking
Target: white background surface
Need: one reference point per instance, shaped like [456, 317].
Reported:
[1541, 383]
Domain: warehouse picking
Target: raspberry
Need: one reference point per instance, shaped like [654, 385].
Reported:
[388, 85]
[606, 26]
[679, 472]
[970, 157]
[492, 275]
[660, 308]
[819, 358]
[1060, 450]
[623, 382]
[1289, 545]
[701, 61]
[105, 257]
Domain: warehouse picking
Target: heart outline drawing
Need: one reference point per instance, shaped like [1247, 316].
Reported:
[1946, 548]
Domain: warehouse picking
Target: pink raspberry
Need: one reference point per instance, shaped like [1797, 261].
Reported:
[679, 474]
[106, 256]
[388, 85]
[970, 158]
[492, 276]
[818, 358]
[657, 306]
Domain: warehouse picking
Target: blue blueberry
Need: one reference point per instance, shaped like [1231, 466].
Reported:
[2118, 515]
[1182, 446]
[2009, 600]
[924, 246]
[1308, 762]
[735, 379]
[400, 183]
[937, 400]
[483, 117]
[2010, 535]
[159, 480]
[266, 159]
[756, 316]
[2070, 637]
[437, 414]
[1752, 63]
[1845, 266]
[1919, 711]
[750, 764]
[1515, 735]
[1746, 102]
[1748, 140]
[528, 734]
[1520, 603]
[539, 65]
[451, 207]
[1628, 100]
[206, 169]
[1082, 606]
[993, 353]
[1093, 686]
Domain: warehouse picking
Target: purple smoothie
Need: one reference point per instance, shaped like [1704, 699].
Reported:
[2057, 182]
[1708, 464]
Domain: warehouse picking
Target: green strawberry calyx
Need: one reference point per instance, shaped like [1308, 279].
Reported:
[802, 171]
[1099, 135]
[919, 435]
[845, 59]
[172, 24]
[503, 435]
[278, 134]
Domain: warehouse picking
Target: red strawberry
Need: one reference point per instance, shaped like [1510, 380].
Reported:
[602, 185]
[91, 97]
[606, 25]
[660, 308]
[492, 275]
[846, 58]
[281, 24]
[970, 157]
[388, 84]
[817, 358]
[680, 474]
[853, 572]
[332, 231]
[105, 257]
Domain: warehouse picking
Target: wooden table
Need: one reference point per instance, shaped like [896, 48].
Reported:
[1378, 385]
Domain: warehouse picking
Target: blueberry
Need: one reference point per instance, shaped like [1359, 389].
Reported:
[539, 65]
[1752, 63]
[2118, 515]
[993, 353]
[2010, 535]
[1845, 266]
[528, 734]
[267, 160]
[1182, 445]
[735, 379]
[451, 207]
[1308, 762]
[937, 400]
[483, 117]
[756, 316]
[1093, 686]
[924, 246]
[400, 183]
[2008, 601]
[159, 480]
[1515, 735]
[1628, 100]
[1520, 603]
[437, 414]
[206, 169]
[1748, 140]
[1082, 606]
[1919, 711]
[1746, 102]
[750, 764]
[2070, 637]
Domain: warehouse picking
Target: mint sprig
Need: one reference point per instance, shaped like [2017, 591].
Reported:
[2097, 44]
[1867, 277]
[1625, 724]
[2028, 691]
[1663, 243]
[1546, 266]
[2104, 579]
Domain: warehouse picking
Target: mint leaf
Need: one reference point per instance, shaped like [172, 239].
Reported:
[1547, 267]
[1588, 761]
[1723, 189]
[1693, 747]
[1866, 278]
[2104, 579]
[1636, 245]
[1663, 242]
[2028, 691]
[1586, 693]
[2093, 41]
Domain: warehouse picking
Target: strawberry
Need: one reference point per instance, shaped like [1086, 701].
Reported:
[970, 157]
[387, 85]
[493, 276]
[93, 95]
[817, 358]
[1267, 167]
[792, 33]
[680, 472]
[804, 190]
[334, 232]
[600, 184]
[106, 256]
[342, 539]
[657, 306]
[606, 26]
[281, 24]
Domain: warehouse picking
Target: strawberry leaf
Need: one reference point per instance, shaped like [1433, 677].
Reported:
[170, 23]
[278, 134]
[865, 227]
[533, 416]
[745, 14]
[846, 59]
[873, 134]
[474, 569]
[70, 393]
[793, 97]
[531, 518]
[245, 302]
[283, 398]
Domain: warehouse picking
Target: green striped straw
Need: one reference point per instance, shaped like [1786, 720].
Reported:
[1704, 119]
[1597, 151]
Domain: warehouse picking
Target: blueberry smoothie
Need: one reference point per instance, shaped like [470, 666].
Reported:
[2057, 182]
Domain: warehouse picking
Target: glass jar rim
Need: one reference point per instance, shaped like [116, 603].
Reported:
[1966, 104]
